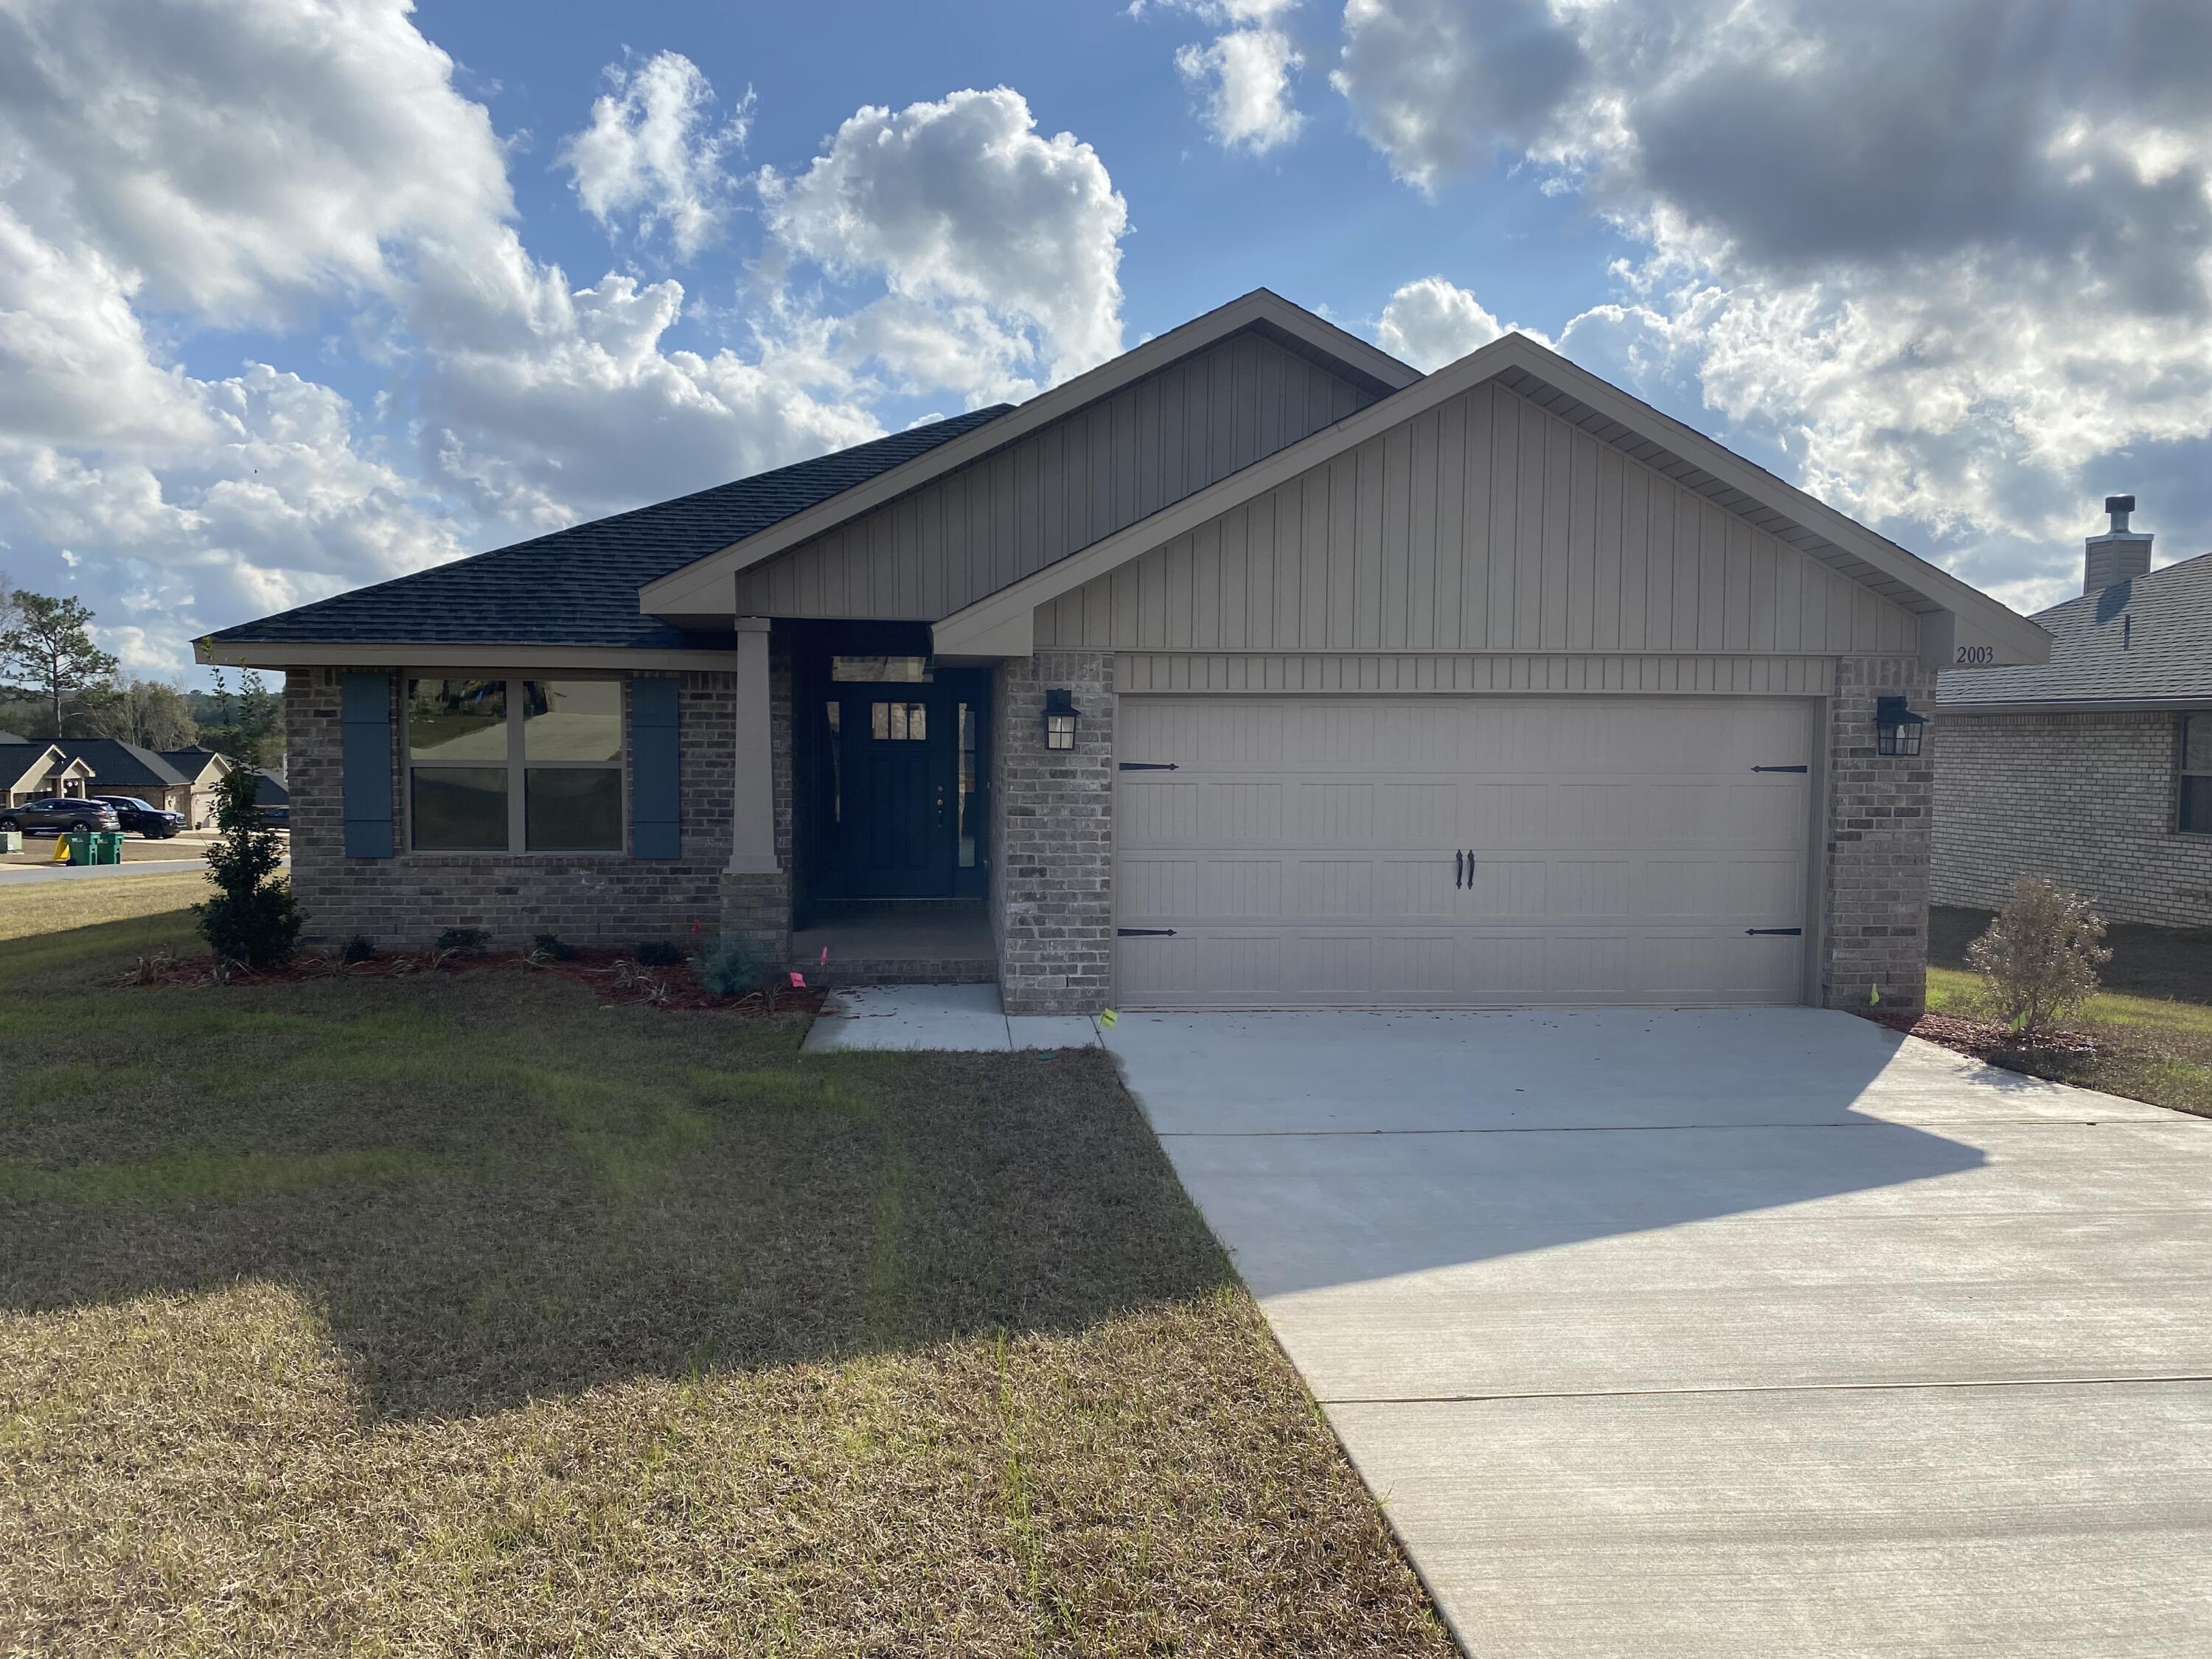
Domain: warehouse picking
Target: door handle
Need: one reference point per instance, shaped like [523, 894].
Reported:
[1459, 869]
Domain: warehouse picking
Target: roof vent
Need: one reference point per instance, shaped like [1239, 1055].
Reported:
[2120, 554]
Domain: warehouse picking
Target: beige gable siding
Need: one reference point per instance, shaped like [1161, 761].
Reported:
[1485, 524]
[1102, 469]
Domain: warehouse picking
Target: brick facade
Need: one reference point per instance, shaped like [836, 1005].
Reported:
[1052, 873]
[2087, 800]
[607, 899]
[1874, 892]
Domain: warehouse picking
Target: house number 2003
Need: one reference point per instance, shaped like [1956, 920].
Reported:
[1977, 654]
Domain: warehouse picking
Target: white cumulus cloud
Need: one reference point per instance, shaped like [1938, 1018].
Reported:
[979, 228]
[1430, 322]
[653, 148]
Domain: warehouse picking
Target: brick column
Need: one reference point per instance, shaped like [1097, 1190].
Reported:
[1878, 842]
[1052, 871]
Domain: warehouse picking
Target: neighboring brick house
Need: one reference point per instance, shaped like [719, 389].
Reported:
[1250, 669]
[2093, 769]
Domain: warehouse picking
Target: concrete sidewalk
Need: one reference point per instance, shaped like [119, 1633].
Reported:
[23, 875]
[958, 1017]
[1726, 1333]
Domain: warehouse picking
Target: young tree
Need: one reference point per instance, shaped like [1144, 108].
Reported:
[46, 645]
[253, 917]
[147, 713]
[2038, 961]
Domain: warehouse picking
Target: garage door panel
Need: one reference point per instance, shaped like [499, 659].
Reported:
[1304, 851]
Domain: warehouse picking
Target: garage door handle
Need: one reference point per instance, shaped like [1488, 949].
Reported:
[1788, 932]
[1144, 933]
[1147, 766]
[1459, 869]
[1778, 768]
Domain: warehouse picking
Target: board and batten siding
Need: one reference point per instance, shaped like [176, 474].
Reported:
[1485, 524]
[1100, 469]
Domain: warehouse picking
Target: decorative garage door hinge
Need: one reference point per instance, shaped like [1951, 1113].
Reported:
[1144, 933]
[1788, 932]
[1148, 766]
[1779, 768]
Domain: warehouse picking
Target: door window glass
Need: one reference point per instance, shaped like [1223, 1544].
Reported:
[968, 786]
[898, 722]
[909, 670]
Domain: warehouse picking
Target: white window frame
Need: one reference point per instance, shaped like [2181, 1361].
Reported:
[516, 764]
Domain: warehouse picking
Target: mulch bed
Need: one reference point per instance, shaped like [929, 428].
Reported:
[612, 977]
[1982, 1040]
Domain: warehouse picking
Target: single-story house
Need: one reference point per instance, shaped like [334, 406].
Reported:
[202, 770]
[125, 768]
[270, 794]
[32, 771]
[2094, 769]
[1253, 668]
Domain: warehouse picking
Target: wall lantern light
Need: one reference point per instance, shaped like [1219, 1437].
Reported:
[1061, 719]
[1896, 727]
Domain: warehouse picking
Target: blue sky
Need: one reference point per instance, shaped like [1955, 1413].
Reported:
[297, 295]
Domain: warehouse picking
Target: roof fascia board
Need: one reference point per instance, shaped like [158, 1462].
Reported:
[1989, 622]
[699, 588]
[488, 656]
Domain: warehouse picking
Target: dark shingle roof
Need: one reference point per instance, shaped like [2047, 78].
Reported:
[2145, 641]
[190, 762]
[17, 758]
[270, 791]
[579, 586]
[118, 765]
[12, 740]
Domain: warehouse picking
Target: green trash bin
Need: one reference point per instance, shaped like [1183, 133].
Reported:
[80, 845]
[108, 846]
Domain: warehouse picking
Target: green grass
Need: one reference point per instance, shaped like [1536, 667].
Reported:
[461, 1314]
[2153, 1022]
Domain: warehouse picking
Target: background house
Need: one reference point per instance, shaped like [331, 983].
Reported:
[124, 768]
[2093, 769]
[31, 771]
[202, 769]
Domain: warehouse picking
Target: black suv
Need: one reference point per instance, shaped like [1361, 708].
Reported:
[56, 814]
[143, 817]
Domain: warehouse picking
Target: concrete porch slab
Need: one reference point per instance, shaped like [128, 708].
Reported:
[961, 1018]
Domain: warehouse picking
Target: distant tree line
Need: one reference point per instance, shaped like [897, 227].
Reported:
[55, 682]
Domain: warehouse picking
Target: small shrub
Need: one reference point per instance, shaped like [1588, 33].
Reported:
[461, 941]
[730, 966]
[658, 953]
[550, 947]
[358, 949]
[254, 918]
[2038, 961]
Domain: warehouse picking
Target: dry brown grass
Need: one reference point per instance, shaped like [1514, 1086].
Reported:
[28, 909]
[466, 1316]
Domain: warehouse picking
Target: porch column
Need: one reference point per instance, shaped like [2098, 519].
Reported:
[752, 805]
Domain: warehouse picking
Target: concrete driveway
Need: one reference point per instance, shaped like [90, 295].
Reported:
[1717, 1333]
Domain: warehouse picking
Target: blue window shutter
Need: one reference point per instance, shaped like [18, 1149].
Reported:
[365, 736]
[655, 825]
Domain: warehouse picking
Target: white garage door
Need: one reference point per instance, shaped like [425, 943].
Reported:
[1453, 851]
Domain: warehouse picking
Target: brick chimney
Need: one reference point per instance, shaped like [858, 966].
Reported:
[2120, 554]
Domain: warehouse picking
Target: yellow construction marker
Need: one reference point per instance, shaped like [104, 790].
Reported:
[61, 850]
[1107, 1019]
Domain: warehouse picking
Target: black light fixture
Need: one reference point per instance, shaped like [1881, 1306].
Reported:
[1896, 727]
[1061, 719]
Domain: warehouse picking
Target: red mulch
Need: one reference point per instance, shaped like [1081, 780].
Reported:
[611, 975]
[1985, 1041]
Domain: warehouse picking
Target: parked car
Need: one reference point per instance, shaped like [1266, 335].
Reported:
[277, 817]
[57, 814]
[143, 818]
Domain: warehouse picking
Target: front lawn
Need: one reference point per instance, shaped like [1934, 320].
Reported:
[2152, 1022]
[462, 1314]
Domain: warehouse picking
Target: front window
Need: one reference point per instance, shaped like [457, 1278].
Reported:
[522, 766]
[2196, 774]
